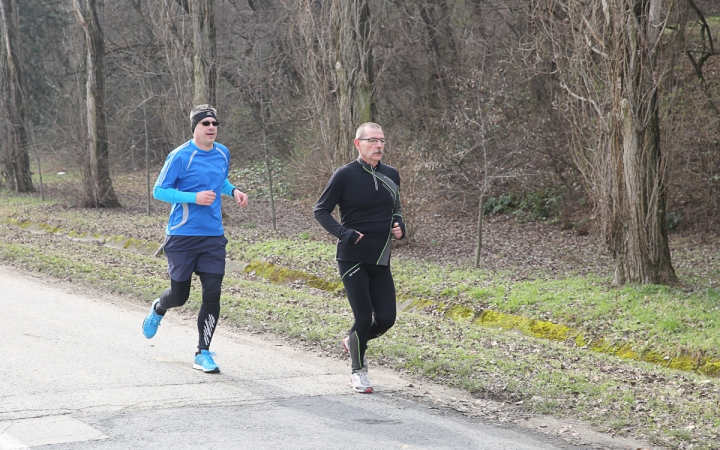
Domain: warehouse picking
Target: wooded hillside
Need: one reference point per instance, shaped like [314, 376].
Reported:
[604, 115]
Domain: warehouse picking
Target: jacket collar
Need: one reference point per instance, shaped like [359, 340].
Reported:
[366, 165]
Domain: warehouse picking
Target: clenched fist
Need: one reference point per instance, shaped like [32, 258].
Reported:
[205, 198]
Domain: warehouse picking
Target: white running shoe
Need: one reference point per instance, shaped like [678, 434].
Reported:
[360, 383]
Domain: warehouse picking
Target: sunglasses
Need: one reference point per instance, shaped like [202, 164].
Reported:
[207, 123]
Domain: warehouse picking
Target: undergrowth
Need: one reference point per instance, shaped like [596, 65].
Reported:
[669, 408]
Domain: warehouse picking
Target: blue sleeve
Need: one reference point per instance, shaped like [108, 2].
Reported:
[227, 188]
[170, 171]
[173, 195]
[164, 189]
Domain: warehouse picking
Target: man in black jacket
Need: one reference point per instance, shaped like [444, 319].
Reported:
[368, 194]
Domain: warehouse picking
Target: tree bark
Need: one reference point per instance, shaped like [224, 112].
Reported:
[204, 42]
[639, 233]
[98, 184]
[17, 161]
[268, 166]
[606, 57]
[436, 17]
[479, 244]
[353, 72]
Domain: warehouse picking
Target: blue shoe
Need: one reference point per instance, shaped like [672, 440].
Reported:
[152, 321]
[204, 361]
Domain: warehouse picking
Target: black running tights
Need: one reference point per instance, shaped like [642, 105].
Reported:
[371, 292]
[179, 293]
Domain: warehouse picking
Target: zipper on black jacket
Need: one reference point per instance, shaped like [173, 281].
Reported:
[372, 170]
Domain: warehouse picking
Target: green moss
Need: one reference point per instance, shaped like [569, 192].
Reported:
[409, 304]
[530, 327]
[460, 313]
[626, 351]
[549, 330]
[277, 274]
[711, 368]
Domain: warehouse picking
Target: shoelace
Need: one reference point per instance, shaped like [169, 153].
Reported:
[155, 318]
[207, 356]
[363, 379]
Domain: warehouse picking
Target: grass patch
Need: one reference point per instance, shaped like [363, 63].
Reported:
[667, 407]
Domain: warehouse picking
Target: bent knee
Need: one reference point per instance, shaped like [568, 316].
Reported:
[384, 323]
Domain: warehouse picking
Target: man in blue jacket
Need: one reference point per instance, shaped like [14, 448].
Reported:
[192, 180]
[368, 194]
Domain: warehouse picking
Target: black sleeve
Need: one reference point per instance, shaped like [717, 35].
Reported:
[397, 209]
[325, 206]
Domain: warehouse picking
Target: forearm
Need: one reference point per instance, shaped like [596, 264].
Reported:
[173, 195]
[227, 188]
[397, 216]
[326, 220]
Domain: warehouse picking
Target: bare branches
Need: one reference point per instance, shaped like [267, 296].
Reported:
[619, 134]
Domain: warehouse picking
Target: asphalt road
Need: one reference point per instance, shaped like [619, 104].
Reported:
[77, 373]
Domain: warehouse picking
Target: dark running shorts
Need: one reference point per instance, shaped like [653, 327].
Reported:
[188, 254]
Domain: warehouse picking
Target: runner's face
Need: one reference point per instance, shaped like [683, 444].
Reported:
[371, 152]
[204, 136]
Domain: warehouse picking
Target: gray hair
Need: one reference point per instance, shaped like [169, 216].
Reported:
[361, 128]
[201, 108]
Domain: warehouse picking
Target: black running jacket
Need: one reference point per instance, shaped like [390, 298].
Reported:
[369, 201]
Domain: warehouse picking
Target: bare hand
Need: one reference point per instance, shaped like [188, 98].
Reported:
[397, 231]
[240, 197]
[359, 237]
[205, 198]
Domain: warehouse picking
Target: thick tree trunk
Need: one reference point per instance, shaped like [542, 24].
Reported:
[638, 234]
[436, 17]
[17, 158]
[204, 42]
[98, 184]
[353, 72]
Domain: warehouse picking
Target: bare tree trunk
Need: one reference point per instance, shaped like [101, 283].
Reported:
[42, 188]
[98, 185]
[607, 61]
[435, 15]
[268, 166]
[204, 42]
[353, 71]
[178, 99]
[478, 247]
[639, 233]
[147, 161]
[17, 161]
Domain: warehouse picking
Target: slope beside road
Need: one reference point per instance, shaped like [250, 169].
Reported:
[79, 374]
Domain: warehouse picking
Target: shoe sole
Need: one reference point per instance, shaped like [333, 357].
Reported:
[368, 390]
[361, 390]
[199, 367]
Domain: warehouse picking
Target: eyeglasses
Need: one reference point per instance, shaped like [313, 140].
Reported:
[207, 123]
[373, 140]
